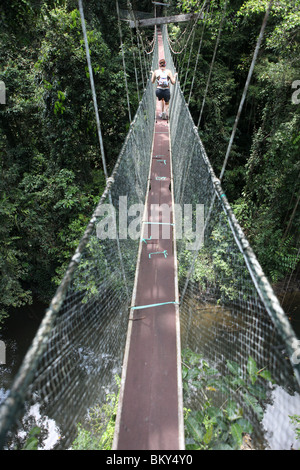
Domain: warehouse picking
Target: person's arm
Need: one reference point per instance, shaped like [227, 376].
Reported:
[172, 79]
[153, 78]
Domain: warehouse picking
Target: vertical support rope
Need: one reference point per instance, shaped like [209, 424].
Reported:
[135, 67]
[212, 63]
[123, 59]
[140, 45]
[192, 45]
[99, 130]
[93, 87]
[198, 54]
[260, 38]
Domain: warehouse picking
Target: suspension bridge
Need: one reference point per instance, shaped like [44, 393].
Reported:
[129, 305]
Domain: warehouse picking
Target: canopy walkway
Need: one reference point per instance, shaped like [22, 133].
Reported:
[139, 290]
[151, 409]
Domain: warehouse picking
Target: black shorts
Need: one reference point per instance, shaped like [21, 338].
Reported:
[163, 94]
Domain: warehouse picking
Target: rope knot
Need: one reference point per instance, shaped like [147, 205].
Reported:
[110, 180]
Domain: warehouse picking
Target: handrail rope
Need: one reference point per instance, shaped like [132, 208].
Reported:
[212, 62]
[179, 146]
[123, 59]
[176, 54]
[154, 43]
[262, 285]
[140, 38]
[198, 55]
[26, 370]
[141, 62]
[259, 41]
[142, 50]
[178, 40]
[150, 44]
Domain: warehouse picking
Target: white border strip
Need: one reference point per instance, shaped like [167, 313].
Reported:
[177, 313]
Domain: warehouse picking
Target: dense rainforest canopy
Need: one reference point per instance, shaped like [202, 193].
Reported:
[51, 170]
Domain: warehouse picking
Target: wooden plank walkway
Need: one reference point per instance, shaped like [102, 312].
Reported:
[150, 415]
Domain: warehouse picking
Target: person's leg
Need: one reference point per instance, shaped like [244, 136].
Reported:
[167, 109]
[167, 102]
[160, 98]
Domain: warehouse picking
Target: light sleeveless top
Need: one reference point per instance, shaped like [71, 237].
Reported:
[162, 79]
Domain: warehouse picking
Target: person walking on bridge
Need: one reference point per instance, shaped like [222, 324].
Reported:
[163, 77]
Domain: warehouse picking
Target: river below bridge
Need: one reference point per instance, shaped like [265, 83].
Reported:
[19, 330]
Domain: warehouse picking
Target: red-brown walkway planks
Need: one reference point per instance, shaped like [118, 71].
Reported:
[150, 405]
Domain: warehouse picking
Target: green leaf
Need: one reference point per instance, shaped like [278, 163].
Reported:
[194, 428]
[233, 411]
[234, 367]
[258, 391]
[235, 381]
[213, 412]
[32, 441]
[265, 374]
[208, 435]
[184, 371]
[245, 425]
[253, 403]
[252, 370]
[237, 434]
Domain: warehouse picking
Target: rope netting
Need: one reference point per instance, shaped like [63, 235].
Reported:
[240, 355]
[76, 357]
